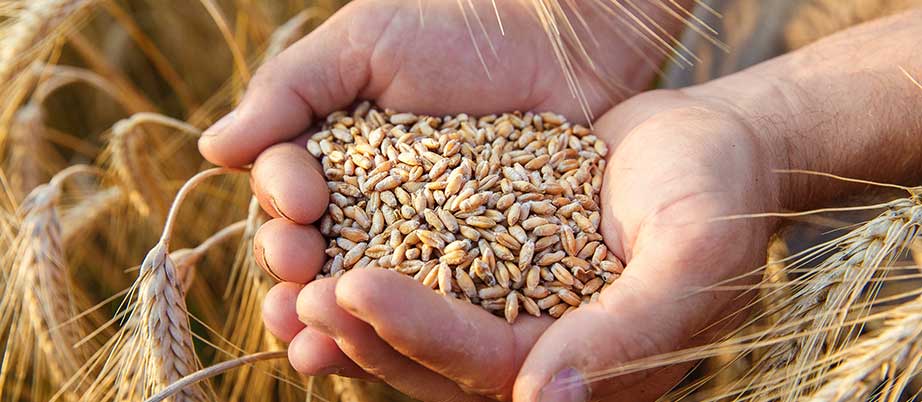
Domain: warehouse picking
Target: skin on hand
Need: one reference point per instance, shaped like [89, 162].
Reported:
[679, 161]
[383, 50]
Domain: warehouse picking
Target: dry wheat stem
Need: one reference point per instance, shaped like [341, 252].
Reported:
[54, 77]
[187, 260]
[240, 62]
[291, 31]
[502, 211]
[212, 371]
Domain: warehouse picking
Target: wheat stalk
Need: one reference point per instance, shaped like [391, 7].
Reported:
[186, 260]
[290, 31]
[215, 370]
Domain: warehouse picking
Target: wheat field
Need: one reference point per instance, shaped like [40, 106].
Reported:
[128, 276]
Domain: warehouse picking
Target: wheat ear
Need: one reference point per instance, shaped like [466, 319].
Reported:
[892, 357]
[154, 348]
[813, 320]
[39, 302]
[138, 173]
[29, 36]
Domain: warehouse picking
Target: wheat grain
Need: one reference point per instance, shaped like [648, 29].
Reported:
[485, 199]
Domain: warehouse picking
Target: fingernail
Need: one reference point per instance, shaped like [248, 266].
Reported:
[278, 210]
[260, 254]
[567, 386]
[220, 125]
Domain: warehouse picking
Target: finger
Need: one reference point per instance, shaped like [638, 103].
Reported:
[287, 184]
[291, 252]
[319, 74]
[313, 353]
[279, 313]
[317, 308]
[652, 309]
[472, 347]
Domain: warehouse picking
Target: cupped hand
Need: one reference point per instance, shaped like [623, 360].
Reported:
[379, 325]
[677, 165]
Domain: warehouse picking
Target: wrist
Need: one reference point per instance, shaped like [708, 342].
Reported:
[842, 106]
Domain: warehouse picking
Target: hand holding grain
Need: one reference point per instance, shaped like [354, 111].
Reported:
[382, 50]
[678, 160]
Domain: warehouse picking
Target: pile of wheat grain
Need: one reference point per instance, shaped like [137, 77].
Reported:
[501, 211]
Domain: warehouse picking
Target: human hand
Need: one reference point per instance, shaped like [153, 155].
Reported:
[678, 163]
[441, 348]
[421, 56]
[842, 106]
[381, 50]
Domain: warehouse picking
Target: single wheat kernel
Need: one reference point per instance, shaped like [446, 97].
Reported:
[511, 310]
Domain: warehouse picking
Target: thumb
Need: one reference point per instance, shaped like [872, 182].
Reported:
[323, 72]
[652, 309]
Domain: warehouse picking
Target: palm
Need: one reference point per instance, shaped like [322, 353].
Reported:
[676, 168]
[673, 176]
